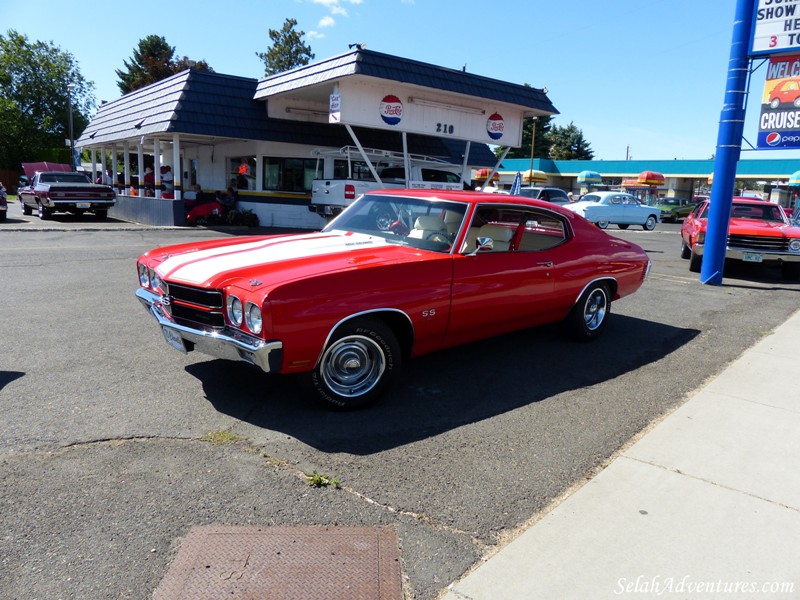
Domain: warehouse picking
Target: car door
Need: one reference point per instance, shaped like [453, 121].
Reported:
[631, 212]
[497, 291]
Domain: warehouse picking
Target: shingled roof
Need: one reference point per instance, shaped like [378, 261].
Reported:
[201, 105]
[384, 66]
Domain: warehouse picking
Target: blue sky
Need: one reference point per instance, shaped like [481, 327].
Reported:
[645, 77]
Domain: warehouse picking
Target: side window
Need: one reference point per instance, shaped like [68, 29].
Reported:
[516, 230]
[558, 195]
[615, 200]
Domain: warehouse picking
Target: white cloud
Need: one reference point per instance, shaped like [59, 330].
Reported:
[326, 22]
[315, 35]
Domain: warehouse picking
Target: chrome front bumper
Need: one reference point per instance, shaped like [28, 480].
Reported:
[739, 254]
[229, 343]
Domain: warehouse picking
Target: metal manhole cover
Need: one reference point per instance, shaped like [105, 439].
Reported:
[292, 563]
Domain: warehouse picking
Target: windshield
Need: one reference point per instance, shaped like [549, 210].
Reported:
[425, 223]
[63, 178]
[759, 211]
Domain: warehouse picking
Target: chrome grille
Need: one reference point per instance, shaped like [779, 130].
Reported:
[762, 243]
[194, 307]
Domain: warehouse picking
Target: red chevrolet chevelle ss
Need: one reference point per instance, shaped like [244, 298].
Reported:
[398, 274]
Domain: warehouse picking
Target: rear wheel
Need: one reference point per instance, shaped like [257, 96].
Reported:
[359, 365]
[686, 252]
[101, 215]
[623, 225]
[27, 210]
[588, 317]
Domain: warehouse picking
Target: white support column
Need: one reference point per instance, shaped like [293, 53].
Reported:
[177, 166]
[103, 164]
[113, 169]
[157, 165]
[127, 161]
[94, 164]
[140, 168]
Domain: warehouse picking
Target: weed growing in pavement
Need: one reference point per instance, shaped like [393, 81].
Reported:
[314, 479]
[218, 438]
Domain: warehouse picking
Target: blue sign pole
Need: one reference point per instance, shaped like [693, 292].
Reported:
[729, 145]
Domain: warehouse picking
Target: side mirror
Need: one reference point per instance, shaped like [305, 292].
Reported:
[482, 243]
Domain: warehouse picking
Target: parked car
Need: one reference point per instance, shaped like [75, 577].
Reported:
[758, 232]
[58, 191]
[604, 208]
[398, 274]
[3, 203]
[673, 209]
[550, 194]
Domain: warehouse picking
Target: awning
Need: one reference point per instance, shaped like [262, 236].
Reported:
[483, 174]
[590, 177]
[652, 178]
[794, 178]
[534, 176]
[633, 184]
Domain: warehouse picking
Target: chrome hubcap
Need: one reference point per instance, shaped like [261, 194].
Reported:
[353, 365]
[595, 310]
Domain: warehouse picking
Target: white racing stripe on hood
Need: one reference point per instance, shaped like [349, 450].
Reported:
[198, 267]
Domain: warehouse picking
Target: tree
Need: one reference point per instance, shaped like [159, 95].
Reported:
[287, 50]
[568, 143]
[541, 144]
[153, 61]
[34, 100]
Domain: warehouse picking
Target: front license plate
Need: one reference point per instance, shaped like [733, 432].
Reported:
[752, 257]
[84, 205]
[173, 339]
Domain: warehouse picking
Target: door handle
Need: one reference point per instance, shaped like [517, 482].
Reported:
[546, 263]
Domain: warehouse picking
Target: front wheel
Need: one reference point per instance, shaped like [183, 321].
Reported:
[650, 223]
[45, 213]
[359, 365]
[588, 317]
[790, 271]
[602, 224]
[695, 262]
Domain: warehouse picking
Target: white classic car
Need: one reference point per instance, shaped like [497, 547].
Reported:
[602, 208]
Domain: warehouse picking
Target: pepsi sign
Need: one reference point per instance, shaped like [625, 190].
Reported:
[391, 110]
[495, 126]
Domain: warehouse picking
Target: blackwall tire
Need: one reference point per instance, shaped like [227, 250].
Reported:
[358, 366]
[588, 318]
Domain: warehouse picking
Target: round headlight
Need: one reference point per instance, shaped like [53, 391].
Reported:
[155, 281]
[253, 317]
[144, 276]
[235, 310]
[794, 245]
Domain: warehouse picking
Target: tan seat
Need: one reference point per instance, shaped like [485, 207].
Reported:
[427, 225]
[452, 220]
[501, 236]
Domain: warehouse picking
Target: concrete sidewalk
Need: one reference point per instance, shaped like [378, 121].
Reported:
[706, 504]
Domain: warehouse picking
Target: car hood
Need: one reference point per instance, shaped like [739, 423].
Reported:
[277, 259]
[754, 227]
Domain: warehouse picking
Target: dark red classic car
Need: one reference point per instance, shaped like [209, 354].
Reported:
[59, 191]
[758, 232]
[398, 274]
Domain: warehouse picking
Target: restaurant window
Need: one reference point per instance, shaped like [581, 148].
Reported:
[288, 174]
[242, 172]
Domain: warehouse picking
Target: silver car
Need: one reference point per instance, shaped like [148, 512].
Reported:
[604, 208]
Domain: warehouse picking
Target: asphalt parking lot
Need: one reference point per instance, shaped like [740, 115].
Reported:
[112, 445]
